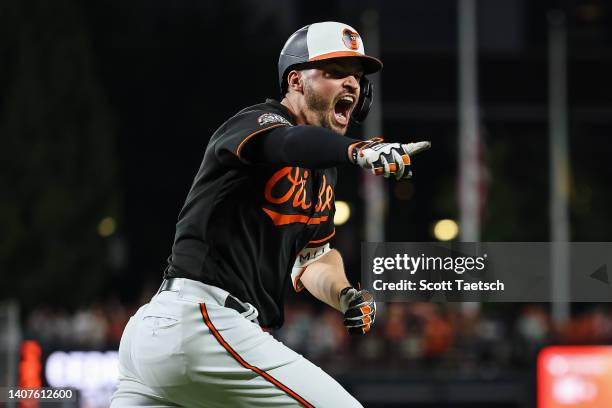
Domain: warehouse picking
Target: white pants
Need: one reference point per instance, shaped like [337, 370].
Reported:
[185, 348]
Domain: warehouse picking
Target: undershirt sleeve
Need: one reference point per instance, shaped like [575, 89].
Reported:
[305, 146]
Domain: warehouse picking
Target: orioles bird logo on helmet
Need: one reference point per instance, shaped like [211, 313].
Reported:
[350, 39]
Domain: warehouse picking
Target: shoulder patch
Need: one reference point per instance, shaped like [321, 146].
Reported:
[267, 118]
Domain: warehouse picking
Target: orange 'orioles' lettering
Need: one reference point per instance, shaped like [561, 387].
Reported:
[297, 180]
[329, 195]
[297, 190]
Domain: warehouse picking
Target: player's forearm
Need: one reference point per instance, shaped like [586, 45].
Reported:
[325, 278]
[311, 147]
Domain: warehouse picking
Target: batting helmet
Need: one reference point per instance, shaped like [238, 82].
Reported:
[323, 41]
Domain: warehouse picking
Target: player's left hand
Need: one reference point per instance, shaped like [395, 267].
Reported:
[359, 310]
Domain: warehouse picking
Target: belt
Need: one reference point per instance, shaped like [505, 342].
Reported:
[244, 308]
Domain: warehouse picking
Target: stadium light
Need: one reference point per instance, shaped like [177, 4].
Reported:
[343, 212]
[107, 227]
[445, 230]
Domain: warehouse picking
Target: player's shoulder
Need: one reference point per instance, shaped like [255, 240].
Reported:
[256, 118]
[270, 112]
[240, 128]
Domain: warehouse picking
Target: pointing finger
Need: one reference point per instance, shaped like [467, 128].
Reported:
[414, 148]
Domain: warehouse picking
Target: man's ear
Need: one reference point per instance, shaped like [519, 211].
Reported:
[295, 81]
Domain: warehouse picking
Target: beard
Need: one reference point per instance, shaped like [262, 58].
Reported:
[320, 107]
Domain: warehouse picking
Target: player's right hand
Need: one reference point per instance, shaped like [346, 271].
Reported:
[359, 310]
[387, 159]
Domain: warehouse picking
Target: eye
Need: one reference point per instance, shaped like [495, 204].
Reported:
[340, 73]
[335, 73]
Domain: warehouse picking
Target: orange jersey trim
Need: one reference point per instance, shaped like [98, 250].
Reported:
[297, 279]
[318, 241]
[246, 139]
[243, 363]
[284, 219]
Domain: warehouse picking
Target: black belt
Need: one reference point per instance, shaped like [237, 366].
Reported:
[172, 285]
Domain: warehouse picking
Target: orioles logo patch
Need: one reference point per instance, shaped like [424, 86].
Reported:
[267, 118]
[350, 39]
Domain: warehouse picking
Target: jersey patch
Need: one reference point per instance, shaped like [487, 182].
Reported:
[268, 118]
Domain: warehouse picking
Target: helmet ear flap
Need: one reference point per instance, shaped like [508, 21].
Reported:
[362, 108]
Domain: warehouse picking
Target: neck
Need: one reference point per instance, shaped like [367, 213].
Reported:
[293, 106]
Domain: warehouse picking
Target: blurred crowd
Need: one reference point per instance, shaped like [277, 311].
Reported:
[450, 335]
[447, 335]
[97, 327]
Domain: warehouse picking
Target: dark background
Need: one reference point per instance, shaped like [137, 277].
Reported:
[106, 109]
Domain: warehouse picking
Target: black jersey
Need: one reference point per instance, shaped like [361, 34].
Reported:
[242, 225]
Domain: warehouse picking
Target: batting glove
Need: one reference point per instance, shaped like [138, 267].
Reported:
[385, 158]
[359, 310]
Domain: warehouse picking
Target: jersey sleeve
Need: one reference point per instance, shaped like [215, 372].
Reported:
[241, 128]
[318, 246]
[302, 260]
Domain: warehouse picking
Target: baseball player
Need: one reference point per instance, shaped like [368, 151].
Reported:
[258, 217]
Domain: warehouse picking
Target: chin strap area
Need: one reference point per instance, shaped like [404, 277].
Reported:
[365, 101]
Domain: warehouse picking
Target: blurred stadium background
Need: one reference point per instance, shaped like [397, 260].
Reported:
[105, 111]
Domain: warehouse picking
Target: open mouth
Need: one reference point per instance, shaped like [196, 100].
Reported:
[342, 109]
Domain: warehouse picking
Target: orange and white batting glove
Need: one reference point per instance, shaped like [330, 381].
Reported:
[359, 310]
[387, 159]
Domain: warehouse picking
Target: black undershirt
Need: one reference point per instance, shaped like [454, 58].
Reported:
[305, 146]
